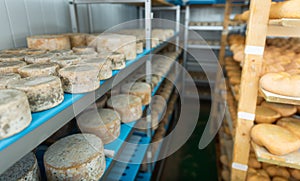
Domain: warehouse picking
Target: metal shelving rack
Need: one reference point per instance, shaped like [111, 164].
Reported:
[45, 123]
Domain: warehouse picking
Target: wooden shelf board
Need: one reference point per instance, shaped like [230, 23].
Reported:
[291, 160]
[287, 22]
[284, 31]
[271, 97]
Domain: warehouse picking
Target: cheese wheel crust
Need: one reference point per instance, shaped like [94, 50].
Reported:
[49, 42]
[289, 83]
[25, 169]
[76, 157]
[43, 92]
[15, 113]
[277, 140]
[266, 115]
[6, 78]
[140, 89]
[42, 69]
[128, 106]
[104, 123]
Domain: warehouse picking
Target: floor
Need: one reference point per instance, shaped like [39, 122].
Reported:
[190, 163]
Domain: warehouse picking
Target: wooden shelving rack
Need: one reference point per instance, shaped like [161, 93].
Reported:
[258, 28]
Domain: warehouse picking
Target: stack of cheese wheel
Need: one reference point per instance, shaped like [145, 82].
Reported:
[25, 169]
[6, 78]
[76, 157]
[117, 59]
[79, 78]
[41, 69]
[11, 66]
[49, 42]
[104, 123]
[43, 92]
[128, 106]
[104, 66]
[14, 113]
[140, 89]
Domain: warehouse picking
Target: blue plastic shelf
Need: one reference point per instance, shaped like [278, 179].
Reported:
[198, 2]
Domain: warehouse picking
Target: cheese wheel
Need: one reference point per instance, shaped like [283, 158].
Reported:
[291, 124]
[86, 55]
[283, 109]
[49, 42]
[117, 59]
[83, 49]
[104, 123]
[11, 67]
[25, 169]
[34, 51]
[43, 92]
[79, 78]
[140, 89]
[104, 66]
[266, 115]
[128, 106]
[64, 61]
[6, 78]
[40, 58]
[91, 40]
[277, 140]
[77, 39]
[139, 47]
[124, 44]
[61, 52]
[41, 69]
[11, 57]
[76, 157]
[14, 112]
[13, 51]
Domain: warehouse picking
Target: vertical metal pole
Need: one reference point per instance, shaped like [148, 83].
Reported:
[148, 28]
[141, 10]
[177, 26]
[90, 17]
[73, 15]
[186, 36]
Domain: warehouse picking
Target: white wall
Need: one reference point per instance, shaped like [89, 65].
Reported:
[21, 18]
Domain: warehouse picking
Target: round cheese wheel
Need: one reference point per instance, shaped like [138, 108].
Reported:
[14, 112]
[11, 57]
[140, 89]
[128, 106]
[91, 40]
[76, 157]
[14, 50]
[64, 61]
[61, 52]
[104, 123]
[40, 58]
[139, 47]
[79, 78]
[104, 66]
[34, 51]
[43, 92]
[11, 67]
[49, 42]
[117, 59]
[6, 78]
[77, 39]
[83, 49]
[86, 55]
[25, 169]
[41, 69]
